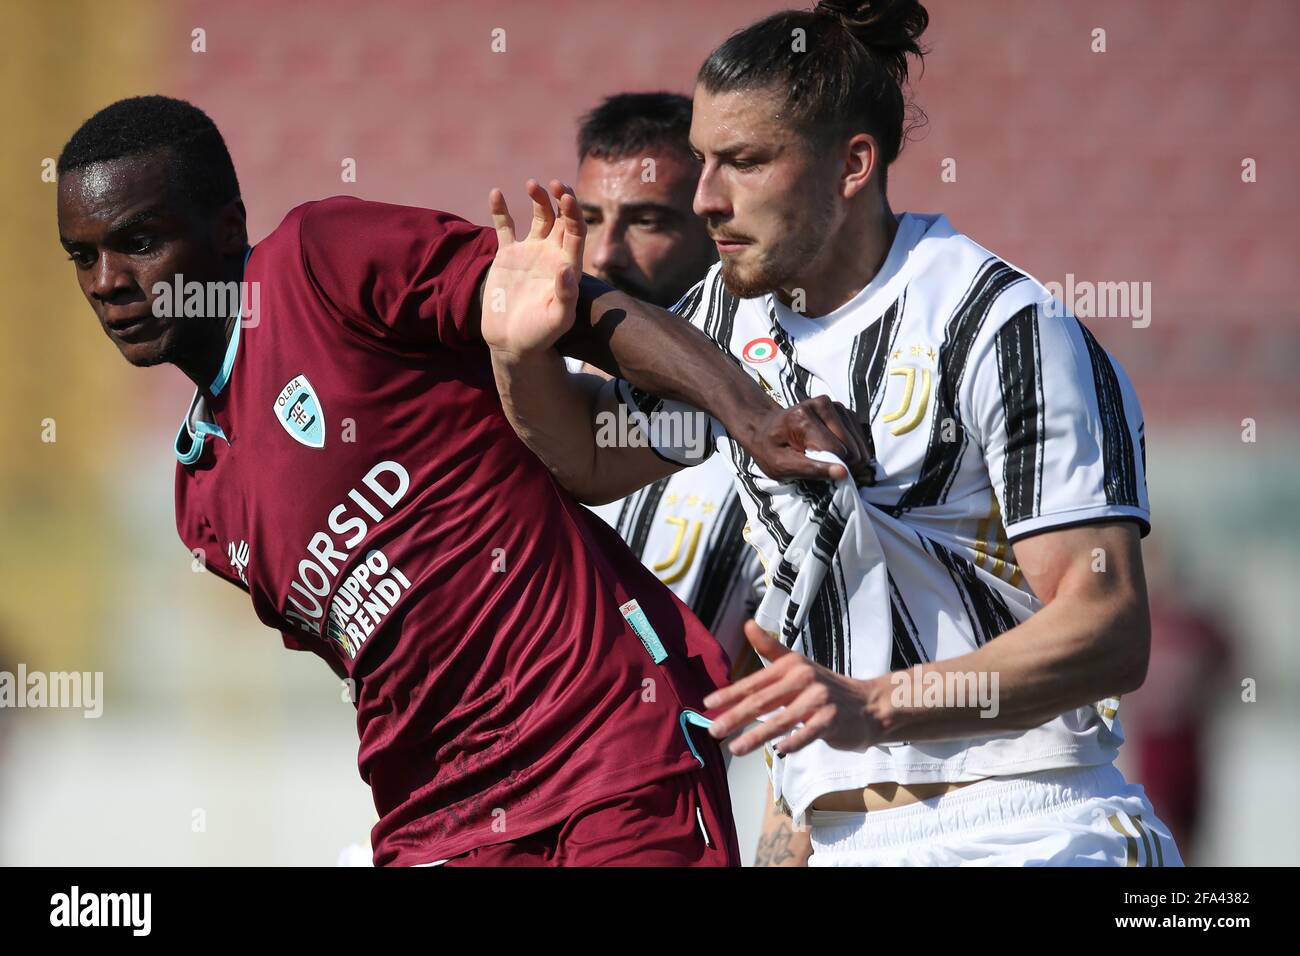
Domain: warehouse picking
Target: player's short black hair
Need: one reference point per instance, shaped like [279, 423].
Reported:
[201, 169]
[628, 123]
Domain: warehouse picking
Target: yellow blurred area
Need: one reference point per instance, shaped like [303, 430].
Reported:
[62, 62]
[212, 736]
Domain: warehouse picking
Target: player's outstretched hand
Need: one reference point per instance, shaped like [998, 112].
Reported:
[819, 423]
[530, 294]
[830, 706]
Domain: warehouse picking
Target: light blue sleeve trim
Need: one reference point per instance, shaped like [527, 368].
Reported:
[695, 720]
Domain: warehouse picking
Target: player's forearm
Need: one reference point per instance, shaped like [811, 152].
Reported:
[665, 355]
[558, 416]
[552, 414]
[1072, 653]
[780, 844]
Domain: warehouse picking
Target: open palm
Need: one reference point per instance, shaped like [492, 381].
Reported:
[531, 291]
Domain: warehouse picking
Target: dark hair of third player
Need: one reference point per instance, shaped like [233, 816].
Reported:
[842, 67]
[628, 124]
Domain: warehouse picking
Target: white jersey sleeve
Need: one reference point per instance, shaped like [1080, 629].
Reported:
[675, 431]
[678, 432]
[1059, 424]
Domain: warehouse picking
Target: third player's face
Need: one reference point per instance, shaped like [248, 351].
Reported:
[642, 237]
[770, 203]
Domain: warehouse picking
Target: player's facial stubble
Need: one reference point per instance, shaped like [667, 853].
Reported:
[764, 188]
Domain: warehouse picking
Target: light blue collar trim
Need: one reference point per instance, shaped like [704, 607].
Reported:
[228, 363]
[232, 347]
[189, 455]
[201, 432]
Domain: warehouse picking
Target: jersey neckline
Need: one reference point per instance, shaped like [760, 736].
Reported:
[197, 432]
[906, 255]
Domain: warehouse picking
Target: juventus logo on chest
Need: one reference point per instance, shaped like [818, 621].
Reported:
[674, 566]
[915, 366]
[677, 563]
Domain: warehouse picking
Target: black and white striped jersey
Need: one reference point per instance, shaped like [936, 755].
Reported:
[992, 414]
[688, 529]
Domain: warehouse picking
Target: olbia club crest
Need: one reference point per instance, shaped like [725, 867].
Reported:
[300, 413]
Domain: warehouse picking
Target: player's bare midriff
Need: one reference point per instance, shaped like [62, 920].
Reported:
[883, 796]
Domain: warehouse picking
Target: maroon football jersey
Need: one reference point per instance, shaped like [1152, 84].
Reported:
[352, 469]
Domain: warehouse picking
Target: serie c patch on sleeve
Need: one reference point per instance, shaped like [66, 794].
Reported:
[640, 625]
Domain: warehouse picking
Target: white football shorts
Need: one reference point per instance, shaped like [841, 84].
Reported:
[1076, 816]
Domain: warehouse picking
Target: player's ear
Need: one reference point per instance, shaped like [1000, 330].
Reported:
[861, 158]
[232, 229]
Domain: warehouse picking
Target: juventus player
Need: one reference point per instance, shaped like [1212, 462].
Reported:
[998, 545]
[524, 687]
[636, 180]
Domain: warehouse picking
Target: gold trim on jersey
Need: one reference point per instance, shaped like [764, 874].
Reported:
[1131, 855]
[771, 392]
[746, 532]
[1152, 851]
[1142, 827]
[1000, 557]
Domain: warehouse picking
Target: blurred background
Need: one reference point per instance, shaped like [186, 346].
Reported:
[216, 746]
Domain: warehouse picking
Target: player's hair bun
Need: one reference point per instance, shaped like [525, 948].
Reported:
[891, 29]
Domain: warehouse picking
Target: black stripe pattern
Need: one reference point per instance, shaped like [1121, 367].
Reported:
[720, 318]
[690, 303]
[942, 456]
[868, 360]
[907, 648]
[826, 636]
[826, 632]
[1020, 371]
[827, 629]
[647, 506]
[784, 573]
[1119, 467]
[722, 562]
[988, 612]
